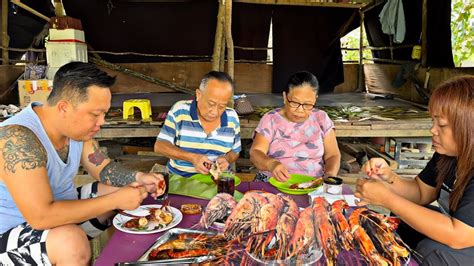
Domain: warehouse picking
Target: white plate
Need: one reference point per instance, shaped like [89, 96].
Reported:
[120, 219]
[349, 198]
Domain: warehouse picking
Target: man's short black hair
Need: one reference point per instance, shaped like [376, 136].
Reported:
[72, 80]
[217, 75]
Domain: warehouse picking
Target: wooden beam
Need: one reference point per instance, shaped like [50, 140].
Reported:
[31, 10]
[382, 133]
[130, 132]
[424, 27]
[246, 132]
[5, 38]
[306, 3]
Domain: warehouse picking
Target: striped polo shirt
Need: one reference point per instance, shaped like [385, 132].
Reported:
[183, 129]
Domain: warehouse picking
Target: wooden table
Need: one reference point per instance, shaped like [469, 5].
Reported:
[397, 128]
[123, 247]
[401, 127]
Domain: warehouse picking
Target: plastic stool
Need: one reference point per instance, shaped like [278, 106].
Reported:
[143, 104]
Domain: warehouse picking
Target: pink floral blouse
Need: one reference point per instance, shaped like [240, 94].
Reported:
[298, 146]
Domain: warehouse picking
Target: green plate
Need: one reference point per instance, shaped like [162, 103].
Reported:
[206, 179]
[294, 179]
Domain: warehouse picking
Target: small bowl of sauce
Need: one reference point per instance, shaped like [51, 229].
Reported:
[333, 185]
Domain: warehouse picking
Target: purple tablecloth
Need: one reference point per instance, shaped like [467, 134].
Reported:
[123, 247]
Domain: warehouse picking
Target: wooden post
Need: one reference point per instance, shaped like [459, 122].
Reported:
[228, 38]
[59, 8]
[5, 38]
[360, 76]
[222, 56]
[218, 46]
[424, 26]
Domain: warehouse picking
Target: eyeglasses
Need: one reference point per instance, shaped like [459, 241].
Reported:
[296, 105]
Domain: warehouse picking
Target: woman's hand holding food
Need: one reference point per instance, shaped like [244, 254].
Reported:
[372, 191]
[279, 171]
[377, 168]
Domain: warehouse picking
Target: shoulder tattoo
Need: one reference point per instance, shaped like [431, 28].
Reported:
[21, 149]
[116, 175]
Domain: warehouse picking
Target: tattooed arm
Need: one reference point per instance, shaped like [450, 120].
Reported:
[103, 168]
[113, 173]
[23, 170]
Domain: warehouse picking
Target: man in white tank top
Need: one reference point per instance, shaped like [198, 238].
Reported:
[43, 218]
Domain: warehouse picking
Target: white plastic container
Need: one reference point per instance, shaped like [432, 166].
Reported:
[61, 53]
[67, 34]
[333, 185]
[51, 71]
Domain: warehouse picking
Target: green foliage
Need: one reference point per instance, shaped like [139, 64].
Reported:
[462, 36]
[351, 40]
[462, 31]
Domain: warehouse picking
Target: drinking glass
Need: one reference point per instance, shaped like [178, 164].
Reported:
[226, 183]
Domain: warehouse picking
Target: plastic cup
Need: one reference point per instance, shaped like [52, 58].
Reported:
[226, 183]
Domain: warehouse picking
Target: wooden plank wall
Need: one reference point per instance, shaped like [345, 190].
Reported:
[350, 79]
[379, 78]
[256, 77]
[8, 75]
[249, 78]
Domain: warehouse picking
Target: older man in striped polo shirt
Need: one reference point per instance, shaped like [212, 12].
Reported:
[198, 132]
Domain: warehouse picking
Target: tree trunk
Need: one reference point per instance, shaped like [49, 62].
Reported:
[218, 46]
[228, 38]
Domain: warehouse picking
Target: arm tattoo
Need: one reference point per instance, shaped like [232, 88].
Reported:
[21, 148]
[116, 175]
[64, 153]
[97, 157]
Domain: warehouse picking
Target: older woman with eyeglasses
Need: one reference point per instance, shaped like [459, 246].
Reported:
[297, 138]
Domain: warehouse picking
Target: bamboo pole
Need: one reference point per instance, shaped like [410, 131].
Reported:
[222, 55]
[141, 76]
[424, 27]
[218, 46]
[360, 74]
[252, 48]
[5, 37]
[29, 9]
[228, 38]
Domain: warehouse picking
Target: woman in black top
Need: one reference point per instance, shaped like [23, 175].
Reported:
[445, 234]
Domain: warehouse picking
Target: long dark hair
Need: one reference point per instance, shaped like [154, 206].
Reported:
[455, 100]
